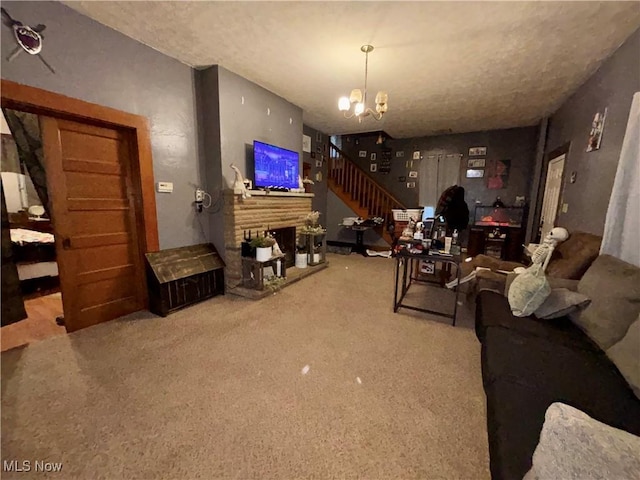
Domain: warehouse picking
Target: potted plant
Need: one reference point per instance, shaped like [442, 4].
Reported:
[311, 225]
[264, 247]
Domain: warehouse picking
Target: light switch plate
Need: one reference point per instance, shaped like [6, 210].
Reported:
[565, 207]
[165, 187]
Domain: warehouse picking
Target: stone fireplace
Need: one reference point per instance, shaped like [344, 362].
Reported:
[261, 211]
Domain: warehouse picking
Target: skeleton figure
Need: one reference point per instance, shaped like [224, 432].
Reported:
[540, 259]
[238, 184]
[543, 253]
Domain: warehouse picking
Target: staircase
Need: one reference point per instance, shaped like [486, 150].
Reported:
[359, 191]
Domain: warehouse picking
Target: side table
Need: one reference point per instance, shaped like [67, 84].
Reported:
[253, 271]
[407, 262]
[359, 229]
[316, 247]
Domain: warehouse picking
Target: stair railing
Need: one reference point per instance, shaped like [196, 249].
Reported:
[357, 185]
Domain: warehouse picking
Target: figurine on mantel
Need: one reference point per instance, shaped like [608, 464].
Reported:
[238, 184]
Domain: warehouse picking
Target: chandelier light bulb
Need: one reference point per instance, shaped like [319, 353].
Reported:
[358, 98]
[344, 104]
[382, 97]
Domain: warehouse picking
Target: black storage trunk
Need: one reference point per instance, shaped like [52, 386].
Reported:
[178, 277]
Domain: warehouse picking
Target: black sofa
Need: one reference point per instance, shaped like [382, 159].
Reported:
[527, 364]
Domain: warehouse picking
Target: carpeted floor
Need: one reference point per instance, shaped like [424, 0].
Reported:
[218, 390]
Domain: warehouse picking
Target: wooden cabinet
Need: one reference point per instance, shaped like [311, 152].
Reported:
[504, 243]
[497, 232]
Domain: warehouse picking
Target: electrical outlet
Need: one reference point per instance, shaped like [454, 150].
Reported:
[199, 195]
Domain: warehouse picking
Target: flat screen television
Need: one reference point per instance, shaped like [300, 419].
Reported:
[275, 166]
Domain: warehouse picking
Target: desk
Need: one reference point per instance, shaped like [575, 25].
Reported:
[406, 262]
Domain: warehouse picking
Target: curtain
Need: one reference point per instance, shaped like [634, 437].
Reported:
[12, 304]
[25, 129]
[438, 171]
[621, 237]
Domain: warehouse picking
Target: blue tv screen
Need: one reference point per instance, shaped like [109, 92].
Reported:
[275, 166]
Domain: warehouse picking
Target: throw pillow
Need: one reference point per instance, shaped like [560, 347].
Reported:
[626, 356]
[614, 289]
[561, 302]
[574, 445]
[528, 291]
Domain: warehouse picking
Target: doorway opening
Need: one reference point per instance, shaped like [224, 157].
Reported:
[553, 190]
[36, 310]
[101, 210]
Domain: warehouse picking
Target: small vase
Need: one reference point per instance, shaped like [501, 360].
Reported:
[263, 253]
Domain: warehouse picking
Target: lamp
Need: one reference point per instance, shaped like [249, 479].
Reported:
[358, 99]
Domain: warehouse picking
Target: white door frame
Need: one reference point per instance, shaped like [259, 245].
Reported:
[552, 194]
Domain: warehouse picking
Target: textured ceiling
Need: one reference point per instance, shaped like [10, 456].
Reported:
[447, 66]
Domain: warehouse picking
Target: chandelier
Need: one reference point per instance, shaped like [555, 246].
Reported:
[358, 99]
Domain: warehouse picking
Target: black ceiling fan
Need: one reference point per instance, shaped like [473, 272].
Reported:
[28, 38]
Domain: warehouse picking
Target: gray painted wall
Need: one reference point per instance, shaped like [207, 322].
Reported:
[612, 86]
[516, 144]
[319, 153]
[263, 116]
[208, 104]
[97, 64]
[234, 112]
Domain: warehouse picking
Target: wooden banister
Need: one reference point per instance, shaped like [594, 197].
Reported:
[358, 189]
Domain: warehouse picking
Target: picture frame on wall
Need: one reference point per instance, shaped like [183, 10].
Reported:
[400, 153]
[416, 155]
[402, 179]
[477, 151]
[475, 173]
[362, 154]
[373, 157]
[306, 143]
[498, 174]
[413, 174]
[597, 128]
[318, 163]
[312, 154]
[318, 137]
[476, 163]
[411, 184]
[373, 167]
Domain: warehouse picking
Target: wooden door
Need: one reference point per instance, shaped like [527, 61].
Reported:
[93, 208]
[551, 199]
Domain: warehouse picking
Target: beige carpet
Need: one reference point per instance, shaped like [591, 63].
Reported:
[218, 390]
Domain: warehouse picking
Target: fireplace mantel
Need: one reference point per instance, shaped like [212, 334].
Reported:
[263, 193]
